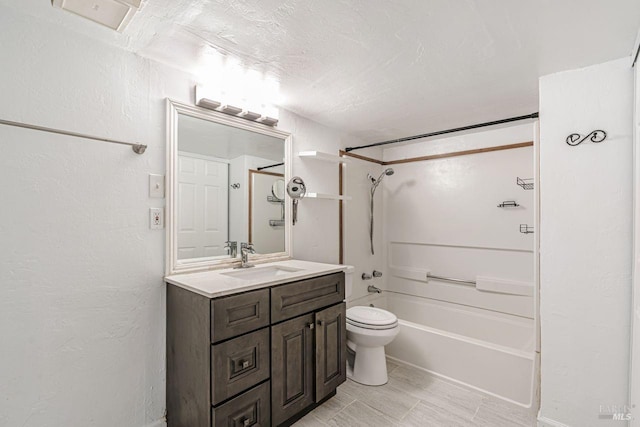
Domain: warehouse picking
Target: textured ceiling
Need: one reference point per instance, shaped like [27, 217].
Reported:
[382, 69]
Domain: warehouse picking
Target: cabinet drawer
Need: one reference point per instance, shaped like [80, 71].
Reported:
[239, 364]
[294, 299]
[249, 409]
[238, 314]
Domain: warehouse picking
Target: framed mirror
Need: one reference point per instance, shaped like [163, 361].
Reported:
[225, 183]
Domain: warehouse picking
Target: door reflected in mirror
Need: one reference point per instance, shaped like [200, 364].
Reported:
[229, 186]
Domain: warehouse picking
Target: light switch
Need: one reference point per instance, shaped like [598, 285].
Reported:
[156, 186]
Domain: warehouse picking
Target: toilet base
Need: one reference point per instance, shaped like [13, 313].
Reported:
[369, 366]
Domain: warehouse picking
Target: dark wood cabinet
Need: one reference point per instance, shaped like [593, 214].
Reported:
[331, 350]
[294, 299]
[249, 409]
[257, 358]
[238, 364]
[292, 367]
[308, 360]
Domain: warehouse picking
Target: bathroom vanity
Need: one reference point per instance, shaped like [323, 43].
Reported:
[254, 347]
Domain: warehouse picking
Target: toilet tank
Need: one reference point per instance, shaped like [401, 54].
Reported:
[348, 280]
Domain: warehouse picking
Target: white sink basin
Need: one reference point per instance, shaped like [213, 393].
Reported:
[261, 273]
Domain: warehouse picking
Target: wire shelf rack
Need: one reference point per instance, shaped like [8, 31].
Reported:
[526, 183]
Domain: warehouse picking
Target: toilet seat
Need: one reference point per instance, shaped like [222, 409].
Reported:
[371, 318]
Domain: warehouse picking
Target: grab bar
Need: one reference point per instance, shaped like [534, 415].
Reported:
[448, 279]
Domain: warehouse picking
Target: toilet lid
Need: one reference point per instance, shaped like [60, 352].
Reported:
[371, 316]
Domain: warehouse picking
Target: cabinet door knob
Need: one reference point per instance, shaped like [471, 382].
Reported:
[311, 325]
[244, 364]
[321, 322]
[246, 422]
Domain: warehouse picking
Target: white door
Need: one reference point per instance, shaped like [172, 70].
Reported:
[203, 186]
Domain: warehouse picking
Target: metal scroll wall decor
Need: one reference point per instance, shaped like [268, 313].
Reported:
[595, 136]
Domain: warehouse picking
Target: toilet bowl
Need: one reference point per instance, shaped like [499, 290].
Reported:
[369, 329]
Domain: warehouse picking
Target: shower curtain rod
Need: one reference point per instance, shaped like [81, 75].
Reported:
[442, 132]
[270, 166]
[137, 148]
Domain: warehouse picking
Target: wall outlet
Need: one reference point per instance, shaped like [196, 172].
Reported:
[156, 186]
[156, 218]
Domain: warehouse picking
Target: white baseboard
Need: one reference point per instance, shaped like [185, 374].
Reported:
[546, 422]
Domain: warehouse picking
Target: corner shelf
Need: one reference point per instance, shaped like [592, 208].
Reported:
[326, 157]
[326, 196]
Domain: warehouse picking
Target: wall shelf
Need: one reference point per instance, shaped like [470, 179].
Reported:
[326, 196]
[326, 157]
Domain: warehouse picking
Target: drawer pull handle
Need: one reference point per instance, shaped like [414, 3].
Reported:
[246, 422]
[244, 364]
[311, 325]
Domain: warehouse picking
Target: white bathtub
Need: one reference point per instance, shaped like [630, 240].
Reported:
[489, 351]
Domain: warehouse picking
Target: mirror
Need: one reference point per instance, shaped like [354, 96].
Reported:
[225, 180]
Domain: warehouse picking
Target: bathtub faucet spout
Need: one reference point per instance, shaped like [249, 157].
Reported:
[372, 288]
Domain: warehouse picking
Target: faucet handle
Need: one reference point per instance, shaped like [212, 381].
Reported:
[248, 247]
[231, 247]
[377, 273]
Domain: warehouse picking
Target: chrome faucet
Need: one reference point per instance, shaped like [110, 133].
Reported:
[372, 288]
[245, 250]
[232, 248]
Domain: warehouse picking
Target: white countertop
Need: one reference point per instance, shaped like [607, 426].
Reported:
[215, 283]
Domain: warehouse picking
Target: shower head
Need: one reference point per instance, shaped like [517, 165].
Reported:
[387, 172]
[376, 182]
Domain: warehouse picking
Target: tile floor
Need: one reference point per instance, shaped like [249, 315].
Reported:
[415, 398]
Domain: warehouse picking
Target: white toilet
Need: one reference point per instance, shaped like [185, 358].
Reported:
[369, 329]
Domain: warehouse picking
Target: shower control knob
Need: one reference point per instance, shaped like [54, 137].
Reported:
[377, 273]
[366, 276]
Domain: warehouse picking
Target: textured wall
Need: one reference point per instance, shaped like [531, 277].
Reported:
[82, 309]
[585, 263]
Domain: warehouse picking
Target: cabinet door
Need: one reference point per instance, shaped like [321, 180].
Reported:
[292, 372]
[331, 349]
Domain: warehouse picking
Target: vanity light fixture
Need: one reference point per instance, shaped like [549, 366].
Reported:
[230, 109]
[269, 121]
[208, 103]
[250, 115]
[205, 98]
